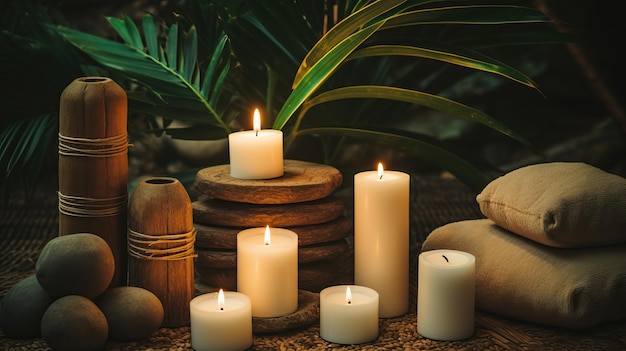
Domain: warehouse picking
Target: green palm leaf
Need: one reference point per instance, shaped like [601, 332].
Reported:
[453, 55]
[469, 14]
[417, 146]
[340, 32]
[320, 72]
[414, 97]
[21, 145]
[170, 76]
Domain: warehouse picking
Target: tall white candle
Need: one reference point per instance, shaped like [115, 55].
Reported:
[381, 237]
[257, 153]
[348, 314]
[445, 295]
[221, 321]
[267, 270]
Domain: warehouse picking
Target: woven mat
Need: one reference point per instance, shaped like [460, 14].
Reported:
[27, 225]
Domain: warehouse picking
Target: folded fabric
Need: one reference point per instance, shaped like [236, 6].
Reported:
[518, 278]
[560, 204]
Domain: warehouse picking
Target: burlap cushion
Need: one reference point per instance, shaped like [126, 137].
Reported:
[560, 204]
[516, 277]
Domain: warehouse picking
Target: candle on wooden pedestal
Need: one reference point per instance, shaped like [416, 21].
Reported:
[221, 321]
[267, 270]
[381, 237]
[348, 314]
[445, 295]
[257, 153]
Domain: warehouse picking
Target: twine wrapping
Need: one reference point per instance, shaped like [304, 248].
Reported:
[96, 147]
[78, 206]
[139, 245]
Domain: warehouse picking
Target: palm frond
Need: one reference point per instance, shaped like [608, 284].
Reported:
[412, 97]
[170, 78]
[420, 147]
[22, 154]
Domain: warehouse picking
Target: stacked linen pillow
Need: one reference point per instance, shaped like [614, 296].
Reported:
[552, 249]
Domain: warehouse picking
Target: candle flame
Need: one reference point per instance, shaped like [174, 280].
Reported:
[348, 295]
[220, 300]
[380, 170]
[256, 121]
[268, 239]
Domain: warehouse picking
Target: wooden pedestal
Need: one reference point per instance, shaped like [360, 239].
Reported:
[301, 200]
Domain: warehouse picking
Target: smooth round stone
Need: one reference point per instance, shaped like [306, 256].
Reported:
[22, 308]
[133, 313]
[75, 264]
[74, 323]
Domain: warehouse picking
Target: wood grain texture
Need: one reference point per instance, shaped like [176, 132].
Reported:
[302, 181]
[226, 213]
[313, 276]
[221, 237]
[161, 206]
[306, 254]
[95, 108]
[307, 313]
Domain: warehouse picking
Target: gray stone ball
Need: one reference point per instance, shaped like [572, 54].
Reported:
[22, 308]
[133, 313]
[74, 323]
[75, 264]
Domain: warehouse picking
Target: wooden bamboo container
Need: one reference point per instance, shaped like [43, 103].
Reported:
[161, 240]
[93, 164]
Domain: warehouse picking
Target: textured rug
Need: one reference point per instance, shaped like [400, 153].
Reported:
[26, 225]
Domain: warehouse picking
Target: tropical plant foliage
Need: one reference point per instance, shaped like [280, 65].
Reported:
[342, 71]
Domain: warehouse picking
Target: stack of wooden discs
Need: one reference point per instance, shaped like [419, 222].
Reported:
[301, 200]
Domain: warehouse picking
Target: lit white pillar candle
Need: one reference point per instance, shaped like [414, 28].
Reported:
[445, 295]
[348, 314]
[257, 153]
[381, 237]
[221, 321]
[267, 270]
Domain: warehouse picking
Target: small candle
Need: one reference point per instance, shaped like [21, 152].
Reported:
[445, 295]
[221, 321]
[257, 153]
[348, 314]
[267, 270]
[381, 237]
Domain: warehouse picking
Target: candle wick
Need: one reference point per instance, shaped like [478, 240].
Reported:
[349, 302]
[257, 133]
[221, 308]
[381, 176]
[445, 258]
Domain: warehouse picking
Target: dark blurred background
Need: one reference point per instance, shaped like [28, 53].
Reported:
[580, 117]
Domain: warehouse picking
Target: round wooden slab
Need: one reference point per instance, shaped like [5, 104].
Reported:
[216, 237]
[301, 181]
[313, 276]
[306, 254]
[233, 214]
[308, 312]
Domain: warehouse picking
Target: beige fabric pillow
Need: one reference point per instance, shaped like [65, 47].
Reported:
[518, 278]
[560, 204]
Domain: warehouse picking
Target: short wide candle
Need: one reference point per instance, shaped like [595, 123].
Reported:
[257, 153]
[221, 327]
[267, 271]
[445, 295]
[348, 320]
[381, 237]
